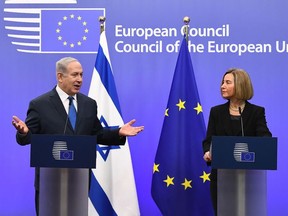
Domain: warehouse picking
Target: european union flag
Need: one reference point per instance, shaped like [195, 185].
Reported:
[180, 184]
[69, 30]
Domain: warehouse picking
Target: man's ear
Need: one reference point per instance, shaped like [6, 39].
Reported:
[59, 77]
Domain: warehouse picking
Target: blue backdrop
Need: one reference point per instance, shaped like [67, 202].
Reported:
[248, 34]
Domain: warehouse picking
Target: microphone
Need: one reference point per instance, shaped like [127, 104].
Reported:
[241, 121]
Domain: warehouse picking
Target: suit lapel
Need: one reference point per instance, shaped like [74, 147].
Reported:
[58, 105]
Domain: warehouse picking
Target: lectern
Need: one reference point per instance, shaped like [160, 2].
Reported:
[63, 162]
[241, 177]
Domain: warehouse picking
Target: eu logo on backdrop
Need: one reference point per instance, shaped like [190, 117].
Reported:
[53, 30]
[69, 30]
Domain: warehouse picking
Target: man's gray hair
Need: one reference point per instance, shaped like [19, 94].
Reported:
[61, 65]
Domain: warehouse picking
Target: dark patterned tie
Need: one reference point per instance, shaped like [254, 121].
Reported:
[72, 112]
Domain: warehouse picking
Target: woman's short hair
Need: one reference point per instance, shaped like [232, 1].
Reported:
[242, 83]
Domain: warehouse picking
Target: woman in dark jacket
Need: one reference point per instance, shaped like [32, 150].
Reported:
[224, 119]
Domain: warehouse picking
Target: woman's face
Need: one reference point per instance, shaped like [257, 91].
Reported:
[228, 87]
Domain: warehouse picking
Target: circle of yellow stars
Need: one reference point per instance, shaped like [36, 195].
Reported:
[69, 43]
[186, 184]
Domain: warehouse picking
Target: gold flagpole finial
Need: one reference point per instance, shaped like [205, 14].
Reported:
[102, 20]
[186, 21]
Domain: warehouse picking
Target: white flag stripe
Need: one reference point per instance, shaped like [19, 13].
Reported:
[91, 209]
[104, 45]
[105, 104]
[115, 175]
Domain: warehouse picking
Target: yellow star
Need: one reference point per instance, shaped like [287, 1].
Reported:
[169, 181]
[198, 108]
[181, 104]
[155, 168]
[205, 176]
[187, 184]
[166, 112]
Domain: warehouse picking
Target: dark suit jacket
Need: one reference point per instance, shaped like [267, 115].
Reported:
[46, 115]
[254, 123]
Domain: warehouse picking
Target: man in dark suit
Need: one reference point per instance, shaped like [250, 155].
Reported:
[48, 113]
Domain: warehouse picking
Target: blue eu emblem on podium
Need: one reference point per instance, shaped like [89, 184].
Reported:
[242, 154]
[66, 155]
[247, 156]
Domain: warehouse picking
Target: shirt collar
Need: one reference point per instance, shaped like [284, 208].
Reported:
[63, 95]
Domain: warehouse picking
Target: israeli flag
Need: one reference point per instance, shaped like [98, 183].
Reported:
[112, 190]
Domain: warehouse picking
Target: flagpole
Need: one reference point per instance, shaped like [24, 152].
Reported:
[102, 20]
[186, 21]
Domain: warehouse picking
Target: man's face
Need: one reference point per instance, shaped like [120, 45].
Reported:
[71, 81]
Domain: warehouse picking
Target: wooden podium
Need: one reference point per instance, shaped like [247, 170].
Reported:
[64, 163]
[241, 164]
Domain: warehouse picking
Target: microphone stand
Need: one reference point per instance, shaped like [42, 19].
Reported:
[241, 121]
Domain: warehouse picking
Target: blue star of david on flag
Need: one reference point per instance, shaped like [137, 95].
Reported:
[105, 150]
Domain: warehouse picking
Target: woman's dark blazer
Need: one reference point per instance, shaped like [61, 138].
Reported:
[219, 124]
